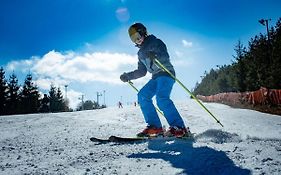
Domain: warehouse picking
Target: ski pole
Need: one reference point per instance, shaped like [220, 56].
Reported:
[132, 85]
[185, 88]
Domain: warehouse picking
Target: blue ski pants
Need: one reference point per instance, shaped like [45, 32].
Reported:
[161, 87]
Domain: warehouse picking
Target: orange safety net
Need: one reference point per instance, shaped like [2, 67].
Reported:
[263, 96]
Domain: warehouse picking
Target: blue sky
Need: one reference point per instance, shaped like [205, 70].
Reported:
[85, 44]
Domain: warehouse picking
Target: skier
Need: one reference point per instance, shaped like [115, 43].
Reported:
[160, 84]
[120, 104]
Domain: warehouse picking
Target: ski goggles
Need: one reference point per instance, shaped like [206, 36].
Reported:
[136, 38]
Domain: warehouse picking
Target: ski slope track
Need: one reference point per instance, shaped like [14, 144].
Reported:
[249, 143]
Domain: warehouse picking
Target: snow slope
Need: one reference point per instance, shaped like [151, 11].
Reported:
[250, 143]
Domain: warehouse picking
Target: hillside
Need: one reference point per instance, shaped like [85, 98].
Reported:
[59, 143]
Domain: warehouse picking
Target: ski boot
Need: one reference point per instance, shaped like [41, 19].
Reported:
[151, 131]
[179, 132]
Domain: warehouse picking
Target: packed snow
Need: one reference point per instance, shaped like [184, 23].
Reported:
[249, 143]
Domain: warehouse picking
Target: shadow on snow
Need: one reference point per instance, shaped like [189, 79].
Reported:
[194, 160]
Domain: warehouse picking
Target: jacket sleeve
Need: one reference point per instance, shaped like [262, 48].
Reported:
[140, 72]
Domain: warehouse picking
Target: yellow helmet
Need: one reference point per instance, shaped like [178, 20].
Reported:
[137, 30]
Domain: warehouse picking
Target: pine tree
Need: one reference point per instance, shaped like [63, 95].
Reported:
[240, 67]
[53, 98]
[276, 56]
[88, 105]
[3, 92]
[259, 51]
[60, 101]
[13, 95]
[29, 96]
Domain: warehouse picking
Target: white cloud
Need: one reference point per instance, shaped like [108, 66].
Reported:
[45, 82]
[23, 65]
[73, 97]
[187, 44]
[65, 68]
[97, 66]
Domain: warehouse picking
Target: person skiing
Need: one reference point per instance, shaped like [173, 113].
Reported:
[160, 85]
[120, 104]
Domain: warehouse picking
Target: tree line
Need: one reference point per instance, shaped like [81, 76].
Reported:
[89, 105]
[25, 99]
[258, 65]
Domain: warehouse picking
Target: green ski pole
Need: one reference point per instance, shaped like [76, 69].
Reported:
[182, 85]
[132, 85]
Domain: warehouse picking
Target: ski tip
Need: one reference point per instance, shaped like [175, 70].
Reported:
[98, 140]
[125, 139]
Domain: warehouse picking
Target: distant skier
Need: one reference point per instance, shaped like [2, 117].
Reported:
[160, 85]
[120, 104]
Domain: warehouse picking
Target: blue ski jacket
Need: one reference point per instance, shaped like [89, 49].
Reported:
[151, 44]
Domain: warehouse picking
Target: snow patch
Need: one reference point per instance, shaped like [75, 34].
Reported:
[250, 143]
[218, 136]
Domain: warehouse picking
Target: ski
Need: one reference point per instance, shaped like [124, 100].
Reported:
[99, 140]
[118, 139]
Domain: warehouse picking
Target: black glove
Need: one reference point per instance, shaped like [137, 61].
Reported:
[152, 55]
[124, 77]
